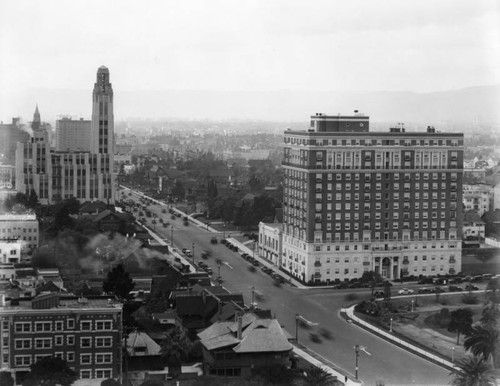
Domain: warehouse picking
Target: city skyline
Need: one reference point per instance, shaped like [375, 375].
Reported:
[252, 47]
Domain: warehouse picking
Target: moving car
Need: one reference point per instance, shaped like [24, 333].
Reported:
[406, 291]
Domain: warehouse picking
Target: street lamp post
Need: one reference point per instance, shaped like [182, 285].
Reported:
[390, 328]
[253, 296]
[412, 305]
[193, 254]
[357, 349]
[453, 354]
[224, 231]
[300, 317]
[172, 235]
[218, 273]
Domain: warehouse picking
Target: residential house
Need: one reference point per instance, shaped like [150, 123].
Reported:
[235, 348]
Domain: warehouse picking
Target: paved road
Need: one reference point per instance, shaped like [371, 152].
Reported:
[388, 364]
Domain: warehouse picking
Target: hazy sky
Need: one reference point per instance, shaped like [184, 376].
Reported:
[362, 45]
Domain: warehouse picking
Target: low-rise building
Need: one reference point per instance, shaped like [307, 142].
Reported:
[10, 251]
[86, 333]
[473, 229]
[234, 348]
[270, 242]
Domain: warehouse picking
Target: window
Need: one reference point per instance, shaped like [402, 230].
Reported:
[23, 327]
[43, 326]
[59, 340]
[103, 358]
[103, 341]
[85, 342]
[103, 373]
[86, 325]
[22, 360]
[85, 374]
[43, 343]
[85, 359]
[71, 340]
[71, 324]
[22, 344]
[59, 325]
[70, 356]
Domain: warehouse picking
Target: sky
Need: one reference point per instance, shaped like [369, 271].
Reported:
[258, 45]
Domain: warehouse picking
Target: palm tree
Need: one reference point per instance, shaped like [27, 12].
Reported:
[316, 376]
[484, 342]
[474, 372]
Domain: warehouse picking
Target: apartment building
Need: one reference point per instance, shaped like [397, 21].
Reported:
[23, 228]
[87, 333]
[355, 201]
[478, 197]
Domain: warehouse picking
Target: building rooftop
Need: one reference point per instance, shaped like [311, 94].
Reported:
[17, 217]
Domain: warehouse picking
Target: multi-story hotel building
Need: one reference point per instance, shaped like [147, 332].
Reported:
[355, 201]
[86, 333]
[85, 175]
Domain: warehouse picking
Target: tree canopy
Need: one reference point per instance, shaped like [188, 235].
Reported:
[50, 371]
[119, 283]
[460, 322]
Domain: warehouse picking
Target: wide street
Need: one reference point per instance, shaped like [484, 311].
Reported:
[387, 363]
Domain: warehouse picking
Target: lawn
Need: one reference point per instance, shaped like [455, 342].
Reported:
[418, 326]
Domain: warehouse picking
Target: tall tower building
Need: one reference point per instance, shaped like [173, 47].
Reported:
[357, 201]
[102, 131]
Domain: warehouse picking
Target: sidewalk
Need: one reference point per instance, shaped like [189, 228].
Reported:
[341, 377]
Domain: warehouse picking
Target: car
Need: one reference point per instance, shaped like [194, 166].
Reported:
[456, 280]
[425, 290]
[213, 240]
[255, 263]
[454, 288]
[470, 287]
[426, 280]
[406, 291]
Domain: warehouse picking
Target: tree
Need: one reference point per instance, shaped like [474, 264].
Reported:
[50, 371]
[316, 376]
[119, 283]
[460, 322]
[387, 290]
[175, 349]
[474, 371]
[6, 379]
[110, 382]
[484, 341]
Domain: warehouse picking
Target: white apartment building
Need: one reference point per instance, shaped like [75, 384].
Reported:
[477, 197]
[270, 242]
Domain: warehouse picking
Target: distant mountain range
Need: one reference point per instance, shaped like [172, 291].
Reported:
[468, 107]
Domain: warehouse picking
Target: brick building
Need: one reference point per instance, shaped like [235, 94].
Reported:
[86, 333]
[357, 201]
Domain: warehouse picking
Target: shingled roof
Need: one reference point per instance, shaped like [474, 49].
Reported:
[258, 335]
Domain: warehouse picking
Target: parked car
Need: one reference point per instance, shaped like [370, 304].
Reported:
[406, 291]
[213, 240]
[425, 290]
[454, 288]
[456, 280]
[470, 287]
[426, 280]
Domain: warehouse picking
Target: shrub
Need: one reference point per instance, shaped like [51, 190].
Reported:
[470, 299]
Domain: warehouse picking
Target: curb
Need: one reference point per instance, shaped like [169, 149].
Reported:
[381, 334]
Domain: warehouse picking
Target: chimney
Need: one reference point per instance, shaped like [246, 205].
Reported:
[240, 326]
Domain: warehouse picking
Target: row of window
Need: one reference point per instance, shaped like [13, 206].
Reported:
[58, 340]
[85, 325]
